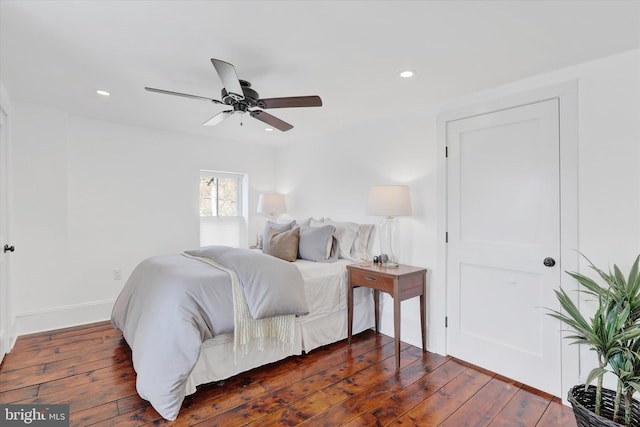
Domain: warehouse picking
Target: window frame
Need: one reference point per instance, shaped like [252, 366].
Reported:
[239, 177]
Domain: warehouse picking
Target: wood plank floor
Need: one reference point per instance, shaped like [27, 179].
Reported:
[89, 367]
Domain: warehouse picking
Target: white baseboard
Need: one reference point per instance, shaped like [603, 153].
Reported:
[410, 331]
[409, 328]
[63, 317]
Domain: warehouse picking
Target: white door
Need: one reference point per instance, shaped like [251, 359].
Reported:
[503, 220]
[4, 263]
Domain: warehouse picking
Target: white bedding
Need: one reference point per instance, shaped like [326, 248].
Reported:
[178, 312]
[324, 286]
[326, 291]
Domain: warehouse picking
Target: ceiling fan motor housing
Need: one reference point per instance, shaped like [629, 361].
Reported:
[251, 97]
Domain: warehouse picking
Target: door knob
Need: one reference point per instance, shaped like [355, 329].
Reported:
[549, 262]
[8, 248]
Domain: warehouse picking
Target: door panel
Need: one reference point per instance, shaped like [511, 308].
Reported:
[487, 156]
[503, 218]
[520, 288]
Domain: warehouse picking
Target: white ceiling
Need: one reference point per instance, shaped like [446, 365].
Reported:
[57, 53]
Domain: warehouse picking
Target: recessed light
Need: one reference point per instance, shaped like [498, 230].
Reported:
[406, 74]
[103, 92]
[268, 129]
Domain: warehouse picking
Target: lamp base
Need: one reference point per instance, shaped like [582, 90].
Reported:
[389, 242]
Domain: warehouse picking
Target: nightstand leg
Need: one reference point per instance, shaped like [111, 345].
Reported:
[396, 329]
[376, 309]
[349, 313]
[423, 323]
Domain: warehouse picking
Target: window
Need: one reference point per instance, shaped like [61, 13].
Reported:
[222, 216]
[220, 194]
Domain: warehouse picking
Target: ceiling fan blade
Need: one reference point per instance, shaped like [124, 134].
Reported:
[185, 95]
[291, 101]
[229, 78]
[218, 118]
[271, 120]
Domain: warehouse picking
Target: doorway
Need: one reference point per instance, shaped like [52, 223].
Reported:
[510, 219]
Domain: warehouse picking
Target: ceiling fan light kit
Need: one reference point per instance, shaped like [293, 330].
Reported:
[238, 94]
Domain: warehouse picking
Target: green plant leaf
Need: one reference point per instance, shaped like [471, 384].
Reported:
[620, 280]
[633, 273]
[635, 385]
[588, 283]
[595, 373]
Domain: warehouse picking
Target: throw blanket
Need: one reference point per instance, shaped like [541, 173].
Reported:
[171, 304]
[259, 311]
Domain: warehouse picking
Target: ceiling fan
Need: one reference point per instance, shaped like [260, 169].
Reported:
[239, 95]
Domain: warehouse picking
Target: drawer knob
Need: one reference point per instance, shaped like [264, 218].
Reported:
[371, 279]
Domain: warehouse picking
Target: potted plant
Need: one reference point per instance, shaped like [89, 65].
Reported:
[614, 334]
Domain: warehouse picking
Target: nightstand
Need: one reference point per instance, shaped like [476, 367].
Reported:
[401, 283]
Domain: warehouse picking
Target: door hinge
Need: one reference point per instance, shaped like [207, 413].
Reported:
[446, 151]
[446, 237]
[446, 322]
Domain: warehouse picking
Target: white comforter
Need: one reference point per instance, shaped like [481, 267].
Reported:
[171, 304]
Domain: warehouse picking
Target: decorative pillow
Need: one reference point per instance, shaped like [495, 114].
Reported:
[363, 245]
[372, 238]
[346, 233]
[274, 225]
[306, 222]
[282, 244]
[285, 221]
[316, 244]
[316, 222]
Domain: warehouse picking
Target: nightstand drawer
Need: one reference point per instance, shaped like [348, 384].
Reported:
[371, 280]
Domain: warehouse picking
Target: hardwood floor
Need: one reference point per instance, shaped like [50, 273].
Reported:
[89, 367]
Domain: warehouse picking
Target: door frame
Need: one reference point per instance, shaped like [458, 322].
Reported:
[567, 94]
[8, 318]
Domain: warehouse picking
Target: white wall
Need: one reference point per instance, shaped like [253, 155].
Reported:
[91, 197]
[330, 177]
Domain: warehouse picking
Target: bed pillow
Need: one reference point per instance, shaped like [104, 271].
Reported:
[346, 233]
[316, 222]
[306, 221]
[317, 244]
[363, 245]
[276, 226]
[282, 244]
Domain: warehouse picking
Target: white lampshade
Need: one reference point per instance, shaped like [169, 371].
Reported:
[389, 200]
[271, 204]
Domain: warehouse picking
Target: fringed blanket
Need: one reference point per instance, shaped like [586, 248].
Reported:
[258, 300]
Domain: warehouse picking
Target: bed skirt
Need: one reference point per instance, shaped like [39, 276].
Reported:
[217, 360]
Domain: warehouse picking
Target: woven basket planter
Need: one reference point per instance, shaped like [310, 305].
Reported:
[583, 403]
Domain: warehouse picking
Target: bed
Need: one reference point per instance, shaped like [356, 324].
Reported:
[204, 315]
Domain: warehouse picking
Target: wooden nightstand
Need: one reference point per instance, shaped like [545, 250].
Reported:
[401, 283]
